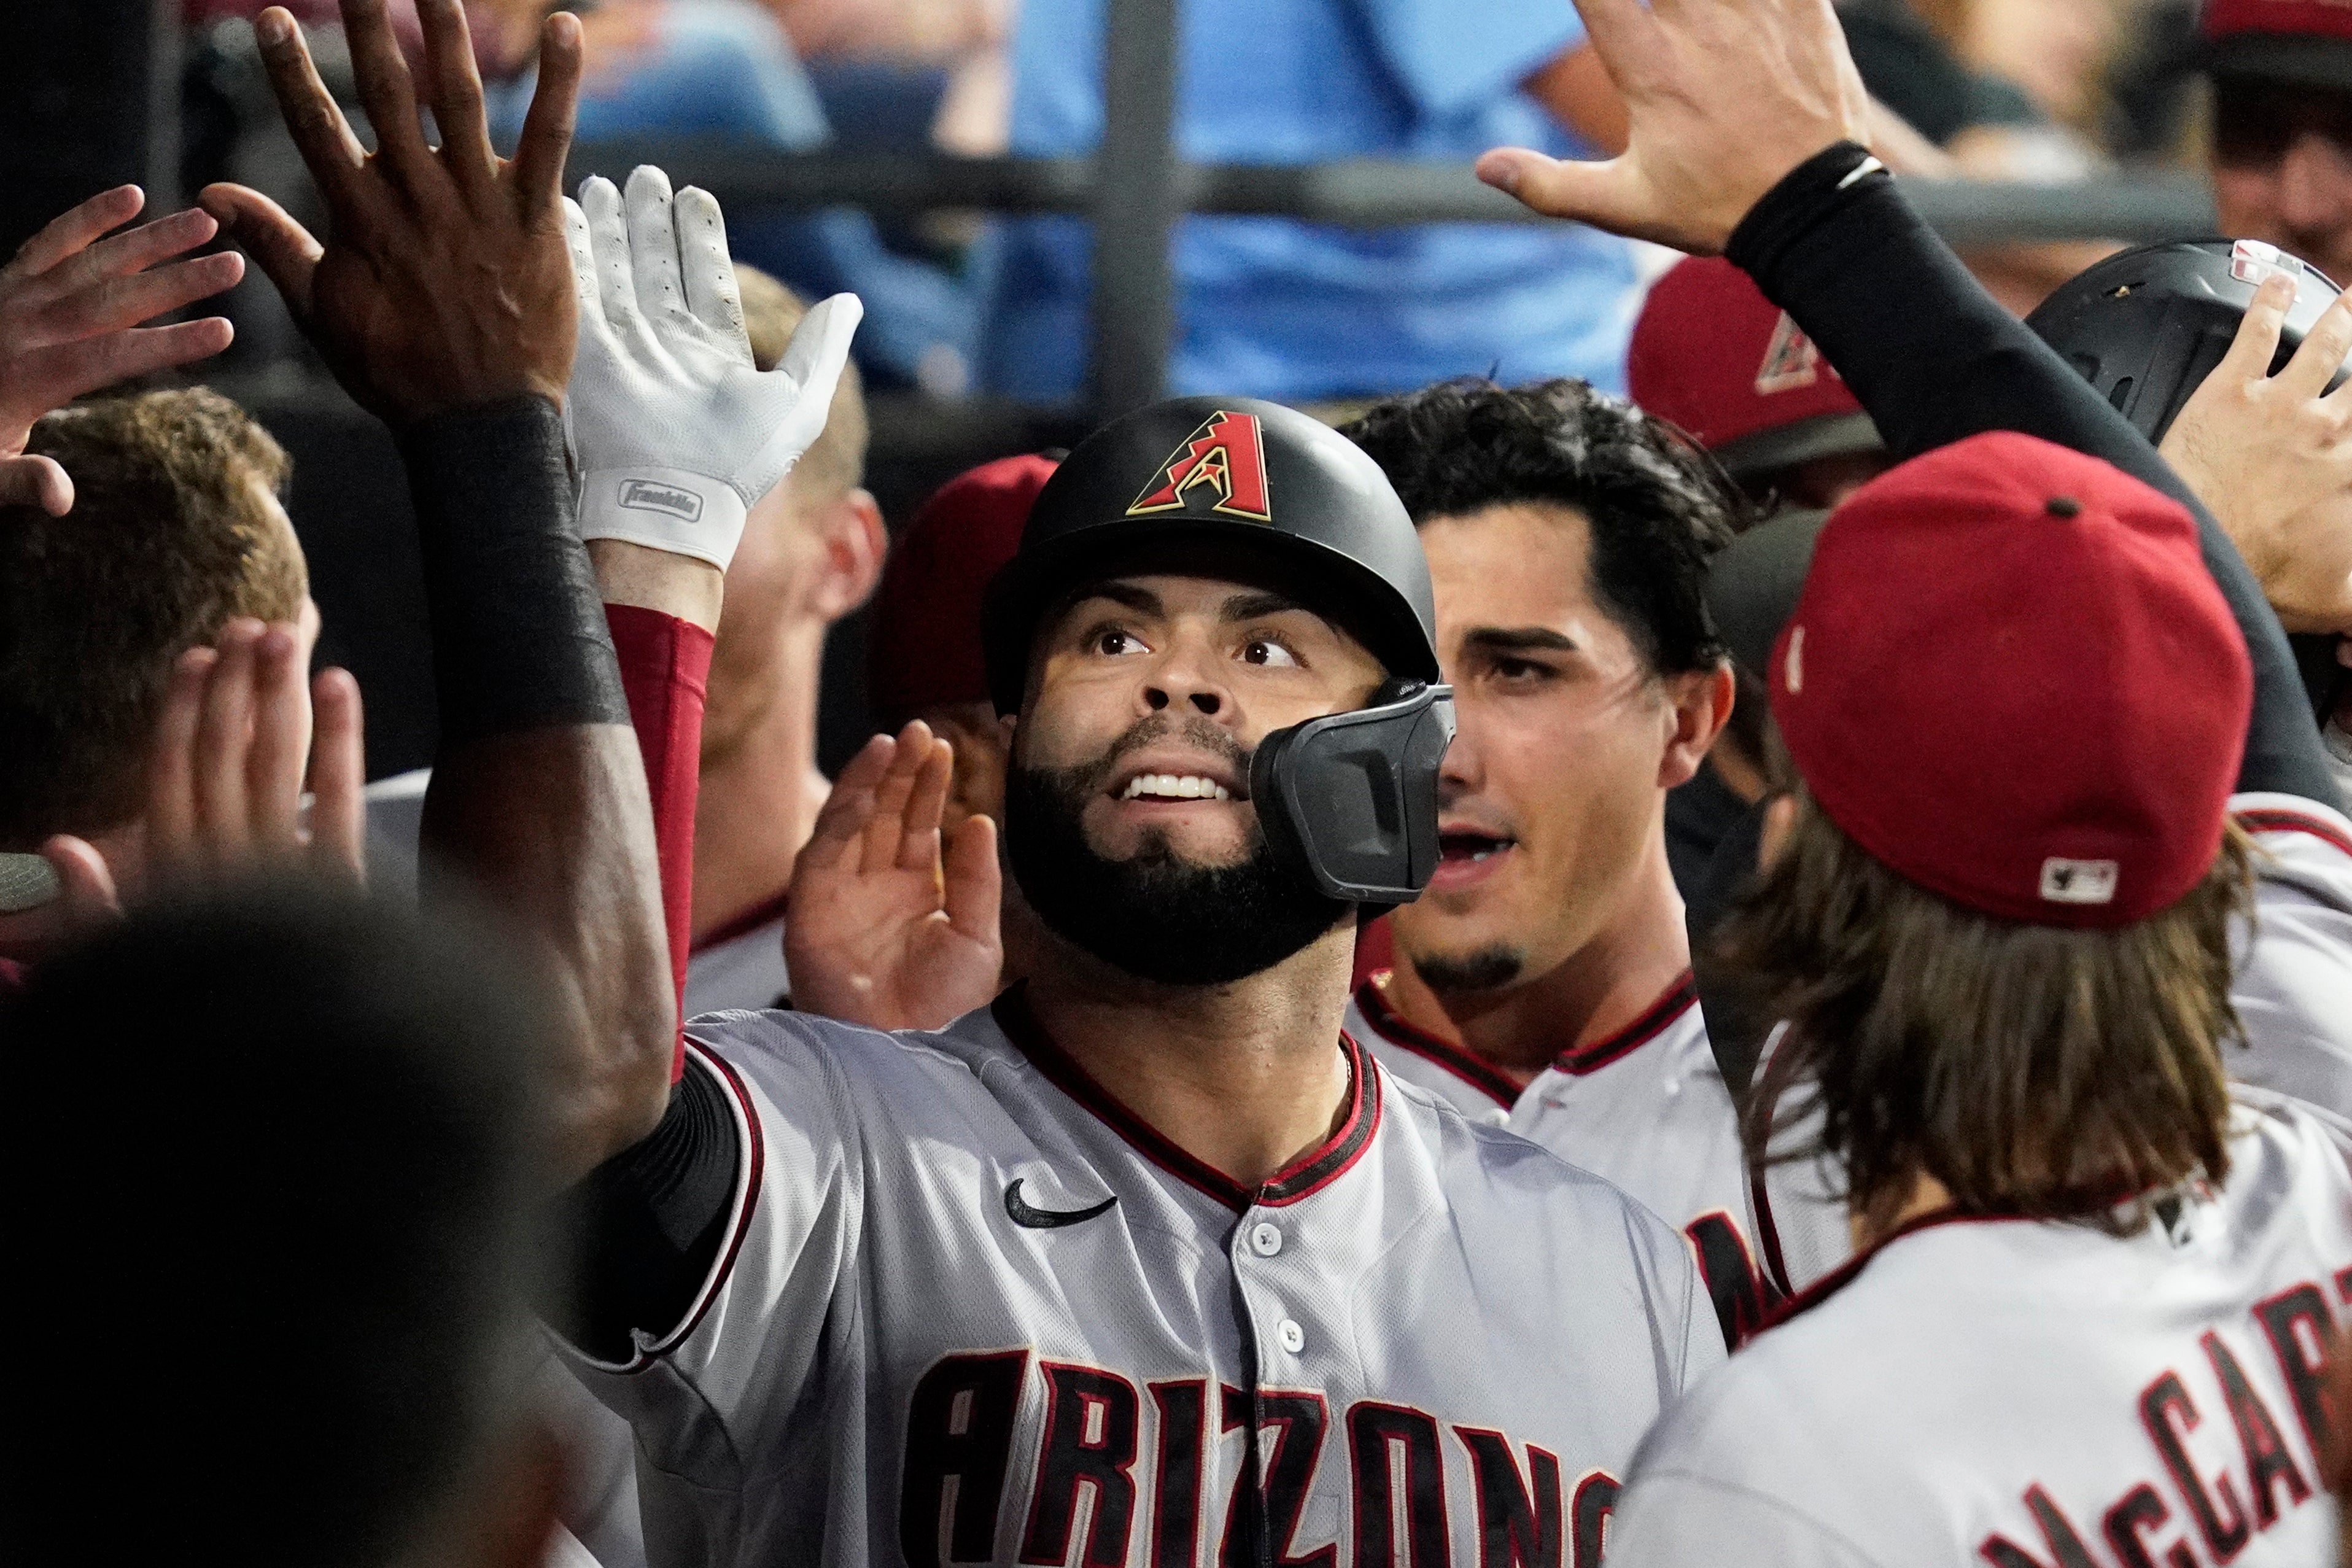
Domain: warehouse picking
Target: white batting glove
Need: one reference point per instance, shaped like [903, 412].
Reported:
[677, 435]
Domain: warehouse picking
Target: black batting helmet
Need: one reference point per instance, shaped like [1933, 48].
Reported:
[2148, 326]
[1349, 799]
[1262, 480]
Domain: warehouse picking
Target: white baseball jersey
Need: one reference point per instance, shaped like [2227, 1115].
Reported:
[739, 965]
[1647, 1108]
[2293, 993]
[2025, 1394]
[970, 1310]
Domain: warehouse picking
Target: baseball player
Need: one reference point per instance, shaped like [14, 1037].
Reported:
[2191, 342]
[1543, 981]
[1147, 1261]
[2098, 1283]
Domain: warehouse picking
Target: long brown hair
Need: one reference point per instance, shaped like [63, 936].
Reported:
[2032, 1070]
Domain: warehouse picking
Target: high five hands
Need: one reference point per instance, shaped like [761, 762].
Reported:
[1724, 98]
[445, 281]
[890, 922]
[70, 306]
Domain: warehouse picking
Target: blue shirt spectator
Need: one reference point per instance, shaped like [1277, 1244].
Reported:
[724, 68]
[1295, 312]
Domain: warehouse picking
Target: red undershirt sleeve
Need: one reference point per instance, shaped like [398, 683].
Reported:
[666, 672]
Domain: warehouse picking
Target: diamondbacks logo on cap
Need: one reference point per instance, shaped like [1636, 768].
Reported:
[1789, 362]
[2065, 881]
[1227, 454]
[645, 495]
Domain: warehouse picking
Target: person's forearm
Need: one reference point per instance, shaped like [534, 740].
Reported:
[665, 662]
[538, 796]
[1935, 360]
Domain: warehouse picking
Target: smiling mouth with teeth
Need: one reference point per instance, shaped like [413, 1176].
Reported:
[1173, 786]
[1470, 847]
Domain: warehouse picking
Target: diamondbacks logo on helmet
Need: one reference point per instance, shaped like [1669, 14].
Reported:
[1227, 454]
[1789, 362]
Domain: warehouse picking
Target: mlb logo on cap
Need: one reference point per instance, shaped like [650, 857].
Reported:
[2065, 881]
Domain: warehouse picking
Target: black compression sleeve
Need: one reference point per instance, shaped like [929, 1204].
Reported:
[644, 1229]
[518, 634]
[1935, 360]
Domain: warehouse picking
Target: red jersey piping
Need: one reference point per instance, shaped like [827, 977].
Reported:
[2276, 819]
[1309, 1174]
[744, 924]
[739, 1224]
[1845, 1273]
[1680, 997]
[1405, 1035]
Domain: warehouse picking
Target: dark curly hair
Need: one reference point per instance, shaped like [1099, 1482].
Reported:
[1660, 507]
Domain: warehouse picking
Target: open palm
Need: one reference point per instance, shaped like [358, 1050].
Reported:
[890, 922]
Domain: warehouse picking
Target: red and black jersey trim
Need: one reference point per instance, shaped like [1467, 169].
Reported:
[1845, 1273]
[764, 912]
[1309, 1174]
[1680, 998]
[1408, 1035]
[2272, 819]
[738, 1221]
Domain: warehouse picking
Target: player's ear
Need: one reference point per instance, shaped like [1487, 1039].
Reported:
[1699, 705]
[856, 542]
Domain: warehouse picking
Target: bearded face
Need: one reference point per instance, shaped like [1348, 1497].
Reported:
[1128, 822]
[1153, 911]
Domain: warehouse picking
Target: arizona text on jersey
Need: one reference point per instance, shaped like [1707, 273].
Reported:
[973, 1311]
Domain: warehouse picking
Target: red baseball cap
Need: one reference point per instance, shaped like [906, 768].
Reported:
[923, 645]
[1711, 354]
[2307, 43]
[2011, 679]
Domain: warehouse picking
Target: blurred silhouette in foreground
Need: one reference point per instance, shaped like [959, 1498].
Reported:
[272, 1162]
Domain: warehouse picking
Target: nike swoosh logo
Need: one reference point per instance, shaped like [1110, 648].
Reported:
[1049, 1219]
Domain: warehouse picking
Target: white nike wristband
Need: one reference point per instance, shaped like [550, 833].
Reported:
[664, 509]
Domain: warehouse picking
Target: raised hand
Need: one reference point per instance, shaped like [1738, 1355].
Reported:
[2272, 457]
[675, 433]
[240, 730]
[444, 283]
[70, 306]
[882, 927]
[1724, 98]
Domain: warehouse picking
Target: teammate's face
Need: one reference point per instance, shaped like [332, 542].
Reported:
[1552, 797]
[1160, 687]
[2283, 170]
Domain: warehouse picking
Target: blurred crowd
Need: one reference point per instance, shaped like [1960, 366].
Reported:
[1672, 882]
[2005, 90]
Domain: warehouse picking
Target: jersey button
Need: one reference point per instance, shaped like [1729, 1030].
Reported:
[1265, 1240]
[1293, 1337]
